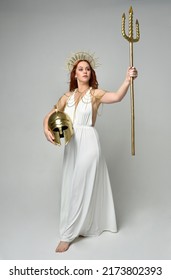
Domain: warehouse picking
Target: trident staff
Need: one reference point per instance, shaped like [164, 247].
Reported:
[130, 38]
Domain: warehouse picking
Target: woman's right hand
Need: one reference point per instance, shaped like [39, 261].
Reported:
[49, 135]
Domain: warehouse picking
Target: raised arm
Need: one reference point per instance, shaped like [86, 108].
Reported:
[113, 97]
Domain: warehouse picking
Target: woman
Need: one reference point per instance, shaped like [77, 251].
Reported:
[87, 207]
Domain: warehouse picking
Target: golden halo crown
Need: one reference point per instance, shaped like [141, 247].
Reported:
[82, 56]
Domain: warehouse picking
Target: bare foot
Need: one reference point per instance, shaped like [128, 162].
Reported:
[62, 247]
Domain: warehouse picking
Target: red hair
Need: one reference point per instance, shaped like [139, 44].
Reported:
[73, 82]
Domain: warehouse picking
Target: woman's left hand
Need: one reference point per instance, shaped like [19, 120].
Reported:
[131, 72]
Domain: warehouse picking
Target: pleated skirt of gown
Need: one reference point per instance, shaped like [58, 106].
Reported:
[87, 206]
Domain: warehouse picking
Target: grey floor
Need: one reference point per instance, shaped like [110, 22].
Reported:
[144, 233]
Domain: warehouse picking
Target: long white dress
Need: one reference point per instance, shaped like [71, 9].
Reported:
[87, 206]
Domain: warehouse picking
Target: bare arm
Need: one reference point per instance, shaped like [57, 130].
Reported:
[47, 132]
[112, 97]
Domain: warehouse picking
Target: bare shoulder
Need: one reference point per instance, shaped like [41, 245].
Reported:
[98, 93]
[68, 94]
[60, 105]
[65, 96]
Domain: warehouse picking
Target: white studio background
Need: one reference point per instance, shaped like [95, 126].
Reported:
[36, 38]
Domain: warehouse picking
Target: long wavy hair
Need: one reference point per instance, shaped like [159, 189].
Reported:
[73, 82]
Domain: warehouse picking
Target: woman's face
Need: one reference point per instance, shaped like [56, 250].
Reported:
[83, 72]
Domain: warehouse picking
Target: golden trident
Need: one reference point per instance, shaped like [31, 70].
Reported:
[130, 38]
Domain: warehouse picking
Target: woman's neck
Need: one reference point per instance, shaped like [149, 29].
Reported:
[82, 91]
[83, 87]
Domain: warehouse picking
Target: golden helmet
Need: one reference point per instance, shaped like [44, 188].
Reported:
[60, 125]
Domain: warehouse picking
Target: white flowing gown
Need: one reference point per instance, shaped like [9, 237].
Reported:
[87, 206]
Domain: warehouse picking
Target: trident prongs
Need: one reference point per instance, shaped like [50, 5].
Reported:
[123, 28]
[130, 37]
[137, 31]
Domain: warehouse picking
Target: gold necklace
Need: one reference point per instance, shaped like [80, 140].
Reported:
[72, 102]
[81, 92]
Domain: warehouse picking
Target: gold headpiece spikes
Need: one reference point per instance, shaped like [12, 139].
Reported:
[82, 56]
